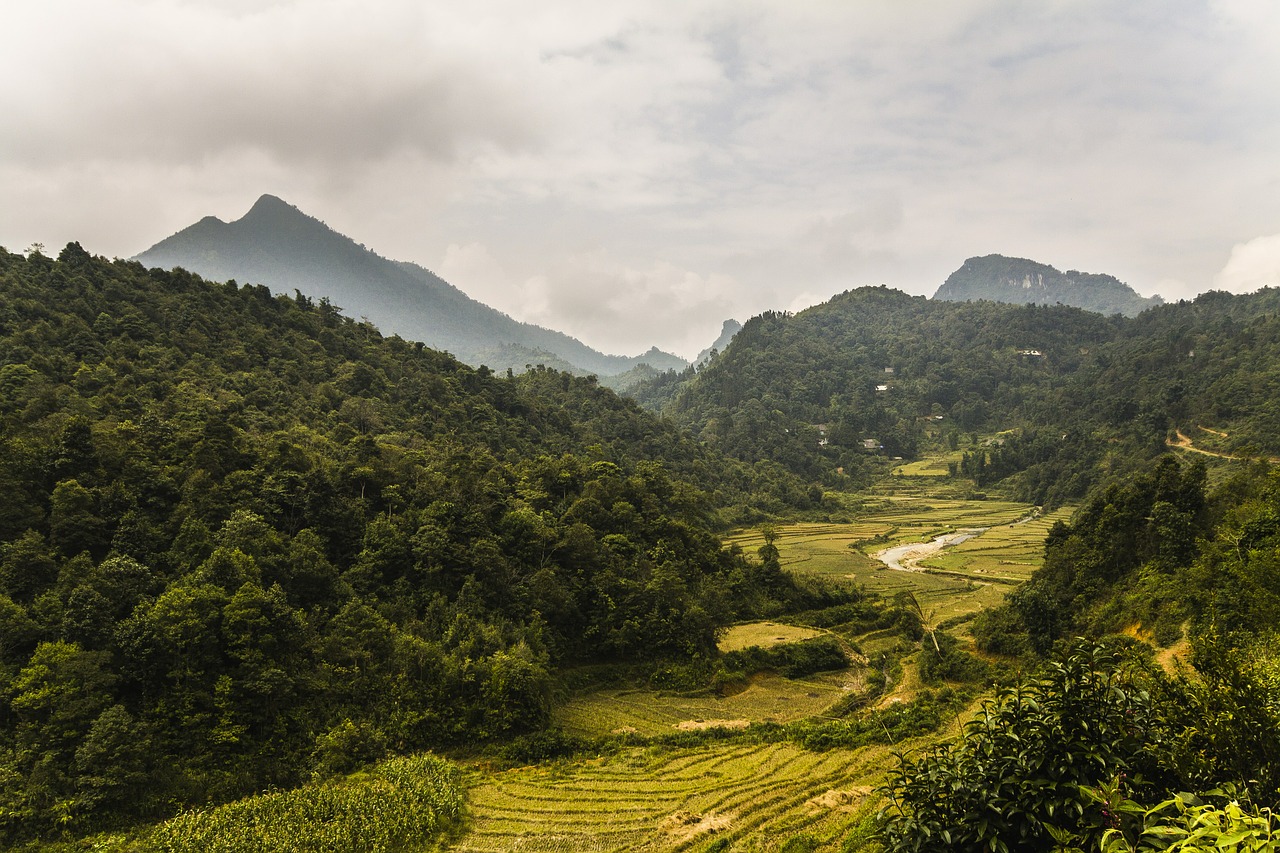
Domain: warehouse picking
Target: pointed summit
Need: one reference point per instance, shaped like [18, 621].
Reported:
[278, 245]
[270, 208]
[267, 201]
[730, 328]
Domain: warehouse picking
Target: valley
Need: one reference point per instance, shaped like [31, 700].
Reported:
[265, 572]
[734, 786]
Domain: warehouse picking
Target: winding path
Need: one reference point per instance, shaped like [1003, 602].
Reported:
[1184, 442]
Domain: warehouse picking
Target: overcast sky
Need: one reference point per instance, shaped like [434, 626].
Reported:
[633, 173]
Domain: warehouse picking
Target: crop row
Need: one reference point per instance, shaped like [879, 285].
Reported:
[753, 794]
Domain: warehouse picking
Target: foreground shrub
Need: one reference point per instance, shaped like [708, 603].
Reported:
[1024, 763]
[1187, 824]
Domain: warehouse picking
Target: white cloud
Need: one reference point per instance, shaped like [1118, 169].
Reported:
[682, 163]
[1252, 265]
[624, 309]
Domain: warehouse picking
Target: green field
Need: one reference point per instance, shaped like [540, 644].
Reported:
[932, 466]
[764, 635]
[1007, 553]
[969, 577]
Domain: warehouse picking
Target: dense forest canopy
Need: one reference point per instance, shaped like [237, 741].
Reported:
[246, 539]
[1077, 395]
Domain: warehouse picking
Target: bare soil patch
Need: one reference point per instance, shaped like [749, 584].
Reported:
[702, 725]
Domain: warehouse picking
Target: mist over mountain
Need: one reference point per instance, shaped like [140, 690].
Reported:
[280, 246]
[996, 278]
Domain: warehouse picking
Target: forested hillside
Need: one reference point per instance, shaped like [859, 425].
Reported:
[1075, 395]
[245, 540]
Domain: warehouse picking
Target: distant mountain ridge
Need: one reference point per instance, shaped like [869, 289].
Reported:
[997, 278]
[280, 246]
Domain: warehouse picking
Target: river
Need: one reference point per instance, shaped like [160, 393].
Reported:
[906, 558]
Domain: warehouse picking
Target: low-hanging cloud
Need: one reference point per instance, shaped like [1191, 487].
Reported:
[688, 161]
[1252, 265]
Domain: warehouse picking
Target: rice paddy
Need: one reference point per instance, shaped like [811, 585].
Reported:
[737, 796]
[764, 635]
[767, 698]
[957, 581]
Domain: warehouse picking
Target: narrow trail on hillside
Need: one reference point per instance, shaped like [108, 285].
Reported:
[1184, 442]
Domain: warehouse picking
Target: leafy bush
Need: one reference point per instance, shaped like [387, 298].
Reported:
[1227, 729]
[1021, 764]
[542, 746]
[949, 662]
[794, 660]
[1188, 824]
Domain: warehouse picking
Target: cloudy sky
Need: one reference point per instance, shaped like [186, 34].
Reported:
[635, 172]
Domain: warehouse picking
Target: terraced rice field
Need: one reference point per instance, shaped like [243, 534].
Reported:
[754, 796]
[758, 797]
[933, 466]
[903, 512]
[1008, 553]
[959, 580]
[764, 635]
[768, 698]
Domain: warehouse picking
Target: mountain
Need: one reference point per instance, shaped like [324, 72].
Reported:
[280, 246]
[995, 278]
[727, 331]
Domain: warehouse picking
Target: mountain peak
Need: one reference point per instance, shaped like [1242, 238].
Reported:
[268, 198]
[730, 328]
[272, 211]
[997, 278]
[278, 245]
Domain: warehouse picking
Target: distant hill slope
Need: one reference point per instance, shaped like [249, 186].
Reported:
[996, 278]
[1075, 394]
[280, 246]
